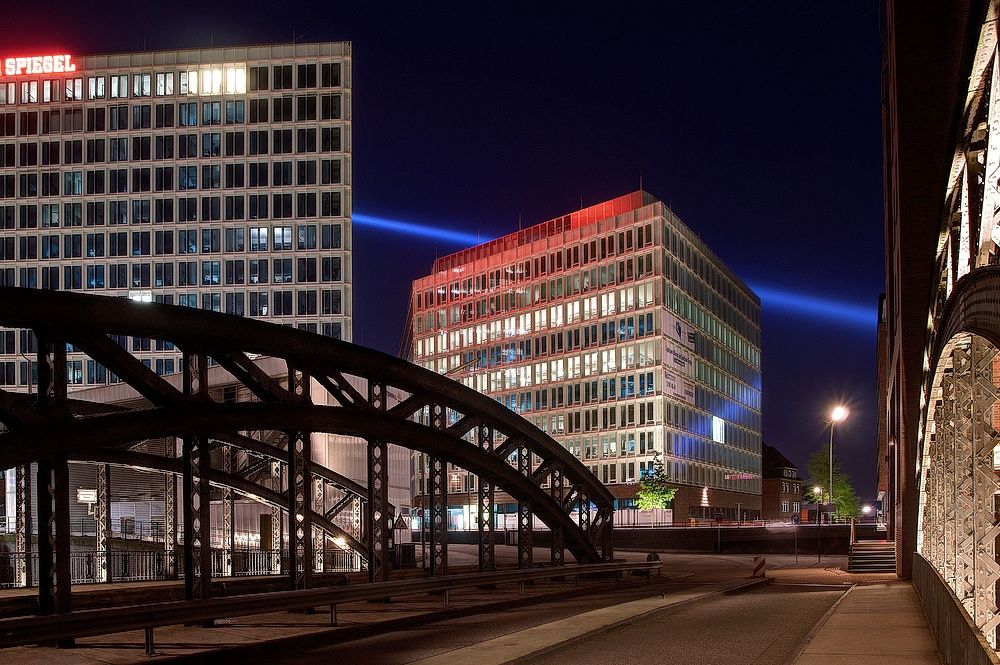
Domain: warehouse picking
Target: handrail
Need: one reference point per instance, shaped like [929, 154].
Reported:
[89, 623]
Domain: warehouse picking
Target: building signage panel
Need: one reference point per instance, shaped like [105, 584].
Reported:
[39, 64]
[678, 387]
[678, 358]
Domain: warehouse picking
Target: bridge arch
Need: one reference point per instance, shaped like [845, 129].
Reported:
[404, 405]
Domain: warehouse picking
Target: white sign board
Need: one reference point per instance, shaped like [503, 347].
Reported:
[678, 360]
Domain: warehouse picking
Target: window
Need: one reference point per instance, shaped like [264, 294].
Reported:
[258, 78]
[305, 107]
[141, 116]
[282, 77]
[330, 107]
[306, 76]
[236, 80]
[95, 87]
[73, 89]
[187, 114]
[119, 86]
[282, 238]
[211, 113]
[234, 112]
[330, 74]
[211, 82]
[165, 84]
[142, 85]
[164, 116]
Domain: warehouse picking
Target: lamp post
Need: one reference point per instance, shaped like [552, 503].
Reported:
[837, 415]
[819, 523]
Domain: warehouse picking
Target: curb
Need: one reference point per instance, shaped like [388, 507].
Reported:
[816, 628]
[558, 646]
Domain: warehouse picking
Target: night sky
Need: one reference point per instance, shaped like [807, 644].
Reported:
[757, 122]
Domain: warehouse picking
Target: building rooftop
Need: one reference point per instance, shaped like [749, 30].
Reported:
[573, 220]
[772, 460]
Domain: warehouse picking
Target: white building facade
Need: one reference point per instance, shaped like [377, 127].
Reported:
[616, 330]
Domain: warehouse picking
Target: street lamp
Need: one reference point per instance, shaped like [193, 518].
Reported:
[838, 414]
[819, 523]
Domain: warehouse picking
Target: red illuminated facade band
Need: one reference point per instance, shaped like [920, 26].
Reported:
[39, 64]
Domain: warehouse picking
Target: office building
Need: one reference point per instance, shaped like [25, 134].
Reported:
[619, 332]
[217, 178]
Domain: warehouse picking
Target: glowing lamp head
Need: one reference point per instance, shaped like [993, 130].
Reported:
[867, 510]
[817, 490]
[838, 414]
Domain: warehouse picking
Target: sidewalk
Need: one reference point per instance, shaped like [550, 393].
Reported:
[873, 623]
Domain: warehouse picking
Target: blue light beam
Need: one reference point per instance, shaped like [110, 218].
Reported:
[818, 308]
[419, 230]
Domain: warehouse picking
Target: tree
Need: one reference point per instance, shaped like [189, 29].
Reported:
[654, 490]
[845, 501]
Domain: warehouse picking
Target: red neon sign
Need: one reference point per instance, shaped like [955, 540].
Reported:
[39, 64]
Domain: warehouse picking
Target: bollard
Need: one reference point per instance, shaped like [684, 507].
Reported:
[446, 598]
[520, 588]
[149, 640]
[759, 563]
[333, 614]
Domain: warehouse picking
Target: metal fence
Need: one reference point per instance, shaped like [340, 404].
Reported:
[152, 565]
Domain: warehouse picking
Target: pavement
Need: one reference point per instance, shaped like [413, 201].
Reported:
[556, 636]
[804, 612]
[873, 623]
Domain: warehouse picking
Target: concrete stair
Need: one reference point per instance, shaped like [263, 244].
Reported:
[872, 556]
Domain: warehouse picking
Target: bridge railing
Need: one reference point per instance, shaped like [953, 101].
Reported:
[88, 623]
[154, 565]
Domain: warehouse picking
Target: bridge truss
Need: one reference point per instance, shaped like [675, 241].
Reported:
[428, 413]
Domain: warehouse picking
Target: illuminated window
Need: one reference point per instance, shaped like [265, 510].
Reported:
[211, 82]
[189, 83]
[95, 87]
[47, 91]
[73, 89]
[165, 84]
[7, 95]
[29, 92]
[236, 80]
[142, 85]
[119, 86]
[718, 429]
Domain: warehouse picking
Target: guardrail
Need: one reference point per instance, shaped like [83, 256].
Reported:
[88, 623]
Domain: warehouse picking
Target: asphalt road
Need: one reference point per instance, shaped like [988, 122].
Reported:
[406, 646]
[759, 627]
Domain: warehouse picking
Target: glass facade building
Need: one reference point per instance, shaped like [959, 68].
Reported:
[616, 330]
[216, 178]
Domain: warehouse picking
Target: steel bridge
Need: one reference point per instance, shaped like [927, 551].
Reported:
[429, 413]
[943, 322]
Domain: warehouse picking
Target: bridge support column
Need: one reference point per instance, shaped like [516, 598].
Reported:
[379, 520]
[486, 512]
[524, 516]
[170, 517]
[197, 463]
[319, 536]
[558, 543]
[54, 594]
[22, 525]
[439, 516]
[300, 548]
[438, 496]
[277, 527]
[52, 488]
[228, 533]
[102, 518]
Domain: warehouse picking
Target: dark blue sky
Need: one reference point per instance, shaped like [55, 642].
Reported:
[758, 122]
